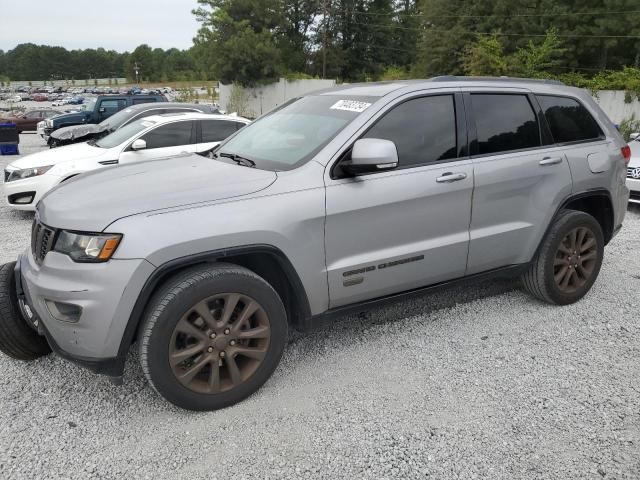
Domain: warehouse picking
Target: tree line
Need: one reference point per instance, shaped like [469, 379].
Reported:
[42, 62]
[257, 41]
[250, 41]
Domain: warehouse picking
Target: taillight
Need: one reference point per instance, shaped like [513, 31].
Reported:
[626, 153]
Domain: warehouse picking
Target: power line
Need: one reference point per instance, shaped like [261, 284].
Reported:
[514, 15]
[502, 34]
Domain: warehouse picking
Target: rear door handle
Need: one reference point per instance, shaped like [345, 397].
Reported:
[550, 161]
[451, 177]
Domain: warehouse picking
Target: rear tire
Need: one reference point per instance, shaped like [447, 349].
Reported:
[568, 261]
[17, 339]
[212, 336]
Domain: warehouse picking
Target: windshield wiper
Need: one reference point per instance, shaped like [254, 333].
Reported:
[240, 160]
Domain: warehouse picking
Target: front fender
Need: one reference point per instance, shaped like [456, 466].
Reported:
[297, 232]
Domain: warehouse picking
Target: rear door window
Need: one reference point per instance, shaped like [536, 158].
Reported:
[423, 129]
[112, 106]
[171, 135]
[568, 120]
[504, 122]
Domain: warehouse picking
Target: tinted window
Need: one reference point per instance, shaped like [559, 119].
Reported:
[139, 100]
[113, 106]
[504, 122]
[171, 135]
[568, 120]
[423, 129]
[217, 130]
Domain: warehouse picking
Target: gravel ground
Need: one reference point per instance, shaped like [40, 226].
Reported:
[476, 382]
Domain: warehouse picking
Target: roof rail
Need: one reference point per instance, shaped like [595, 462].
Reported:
[455, 78]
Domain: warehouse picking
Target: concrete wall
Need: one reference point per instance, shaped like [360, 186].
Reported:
[259, 100]
[70, 83]
[614, 105]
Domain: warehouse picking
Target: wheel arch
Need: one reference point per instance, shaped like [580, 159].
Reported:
[266, 261]
[596, 203]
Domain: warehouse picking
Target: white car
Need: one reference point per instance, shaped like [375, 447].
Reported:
[633, 169]
[154, 137]
[14, 99]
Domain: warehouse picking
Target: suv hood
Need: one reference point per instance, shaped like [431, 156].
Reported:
[77, 131]
[92, 201]
[69, 117]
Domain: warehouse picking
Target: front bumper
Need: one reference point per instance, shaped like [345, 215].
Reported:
[29, 190]
[634, 187]
[105, 293]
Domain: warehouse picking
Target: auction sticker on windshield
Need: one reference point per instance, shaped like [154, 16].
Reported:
[350, 106]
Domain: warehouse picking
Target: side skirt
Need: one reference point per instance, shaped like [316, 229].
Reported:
[333, 313]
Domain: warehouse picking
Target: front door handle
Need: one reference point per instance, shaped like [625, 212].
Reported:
[451, 177]
[550, 161]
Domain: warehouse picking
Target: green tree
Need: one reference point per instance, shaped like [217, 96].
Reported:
[238, 38]
[485, 57]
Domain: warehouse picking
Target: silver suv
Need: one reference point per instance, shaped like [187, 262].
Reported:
[335, 202]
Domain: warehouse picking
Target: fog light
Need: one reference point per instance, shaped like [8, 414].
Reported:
[65, 312]
[24, 198]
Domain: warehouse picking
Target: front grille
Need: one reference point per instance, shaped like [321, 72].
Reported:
[633, 173]
[42, 238]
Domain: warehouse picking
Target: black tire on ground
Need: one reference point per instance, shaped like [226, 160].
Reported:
[17, 339]
[539, 280]
[174, 302]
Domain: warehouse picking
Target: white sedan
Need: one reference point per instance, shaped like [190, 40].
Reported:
[633, 169]
[154, 137]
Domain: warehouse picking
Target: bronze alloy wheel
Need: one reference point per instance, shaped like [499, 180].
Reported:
[575, 259]
[219, 343]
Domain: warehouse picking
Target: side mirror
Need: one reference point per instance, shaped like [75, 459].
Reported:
[371, 155]
[634, 136]
[139, 145]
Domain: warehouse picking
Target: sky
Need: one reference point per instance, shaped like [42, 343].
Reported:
[119, 25]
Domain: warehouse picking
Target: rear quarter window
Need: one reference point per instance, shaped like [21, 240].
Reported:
[569, 121]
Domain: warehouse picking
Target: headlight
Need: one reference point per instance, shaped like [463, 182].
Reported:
[27, 173]
[87, 247]
[49, 123]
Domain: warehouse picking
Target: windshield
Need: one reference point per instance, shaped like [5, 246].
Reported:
[116, 120]
[293, 134]
[125, 133]
[89, 105]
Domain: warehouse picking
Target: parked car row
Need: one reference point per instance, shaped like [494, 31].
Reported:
[147, 138]
[89, 131]
[96, 109]
[28, 121]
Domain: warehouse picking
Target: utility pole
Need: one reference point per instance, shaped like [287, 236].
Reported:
[324, 40]
[136, 68]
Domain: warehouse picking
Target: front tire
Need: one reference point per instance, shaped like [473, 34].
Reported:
[212, 336]
[17, 339]
[568, 261]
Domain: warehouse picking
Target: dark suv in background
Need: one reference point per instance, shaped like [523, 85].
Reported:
[98, 109]
[82, 133]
